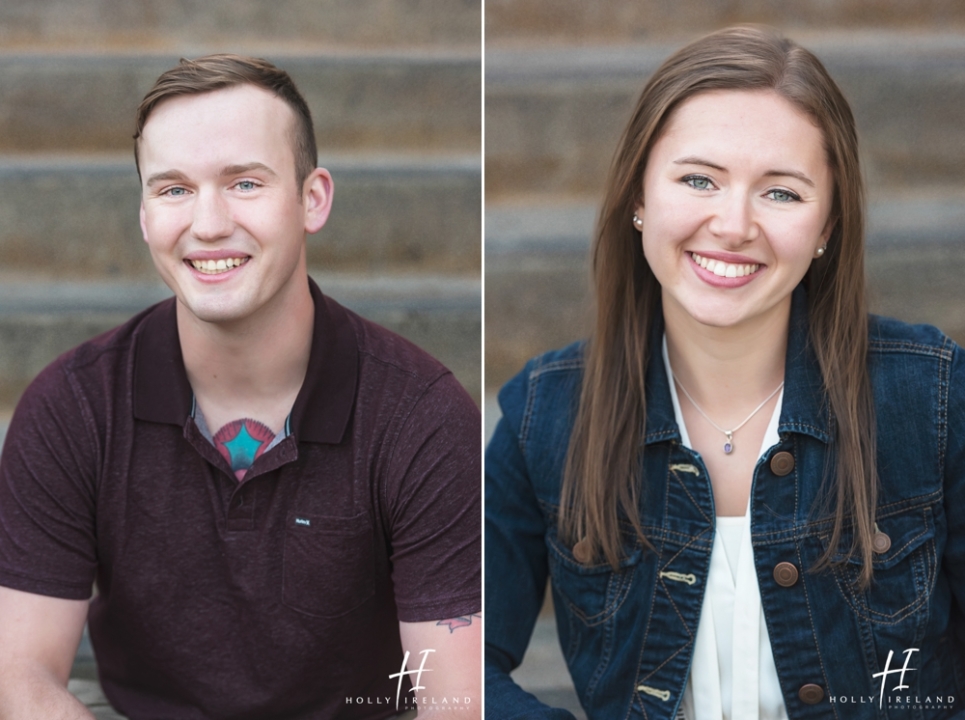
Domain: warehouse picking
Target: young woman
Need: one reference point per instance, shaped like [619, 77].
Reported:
[749, 495]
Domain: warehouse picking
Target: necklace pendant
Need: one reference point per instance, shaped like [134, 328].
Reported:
[729, 445]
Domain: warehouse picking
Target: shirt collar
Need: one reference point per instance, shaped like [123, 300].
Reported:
[804, 406]
[323, 406]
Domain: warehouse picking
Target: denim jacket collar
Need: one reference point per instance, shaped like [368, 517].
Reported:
[804, 409]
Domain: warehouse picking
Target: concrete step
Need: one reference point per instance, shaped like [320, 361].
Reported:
[78, 215]
[41, 318]
[537, 272]
[395, 100]
[528, 21]
[554, 115]
[378, 23]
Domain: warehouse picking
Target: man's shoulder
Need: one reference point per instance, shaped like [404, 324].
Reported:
[100, 359]
[384, 352]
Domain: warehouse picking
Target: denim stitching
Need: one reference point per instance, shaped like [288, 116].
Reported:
[892, 346]
[944, 381]
[531, 386]
[922, 595]
[604, 659]
[693, 500]
[817, 648]
[808, 529]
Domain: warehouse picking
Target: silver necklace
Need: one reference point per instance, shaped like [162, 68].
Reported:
[729, 445]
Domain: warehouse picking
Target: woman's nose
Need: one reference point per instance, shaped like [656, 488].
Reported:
[733, 219]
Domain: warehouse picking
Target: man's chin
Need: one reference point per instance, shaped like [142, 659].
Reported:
[217, 311]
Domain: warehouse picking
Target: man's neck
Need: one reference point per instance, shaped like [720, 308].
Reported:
[252, 368]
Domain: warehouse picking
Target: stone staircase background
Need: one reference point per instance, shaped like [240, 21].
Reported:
[395, 92]
[561, 80]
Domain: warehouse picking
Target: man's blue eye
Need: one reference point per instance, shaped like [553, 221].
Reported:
[246, 185]
[176, 192]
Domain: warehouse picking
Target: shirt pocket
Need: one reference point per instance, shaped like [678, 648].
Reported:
[904, 574]
[592, 593]
[329, 564]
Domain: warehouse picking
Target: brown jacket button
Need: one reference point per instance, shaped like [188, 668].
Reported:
[881, 543]
[782, 463]
[811, 694]
[785, 574]
[581, 551]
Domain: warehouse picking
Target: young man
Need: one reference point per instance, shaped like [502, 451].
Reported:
[279, 500]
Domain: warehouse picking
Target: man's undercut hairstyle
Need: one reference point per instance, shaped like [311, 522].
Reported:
[225, 70]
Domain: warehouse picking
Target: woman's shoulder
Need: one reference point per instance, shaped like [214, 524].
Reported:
[887, 335]
[548, 383]
[565, 360]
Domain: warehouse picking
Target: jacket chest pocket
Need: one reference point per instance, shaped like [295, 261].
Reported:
[592, 593]
[329, 564]
[904, 564]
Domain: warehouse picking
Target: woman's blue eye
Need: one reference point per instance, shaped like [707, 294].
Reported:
[698, 182]
[783, 196]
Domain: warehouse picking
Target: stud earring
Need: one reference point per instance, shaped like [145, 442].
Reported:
[637, 222]
[820, 251]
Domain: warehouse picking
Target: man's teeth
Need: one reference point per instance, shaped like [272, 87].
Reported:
[213, 267]
[724, 269]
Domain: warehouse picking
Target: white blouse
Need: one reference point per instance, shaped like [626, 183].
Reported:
[733, 673]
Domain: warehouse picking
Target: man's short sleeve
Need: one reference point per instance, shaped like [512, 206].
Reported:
[47, 492]
[433, 494]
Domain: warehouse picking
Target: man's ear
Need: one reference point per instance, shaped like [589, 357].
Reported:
[143, 218]
[317, 192]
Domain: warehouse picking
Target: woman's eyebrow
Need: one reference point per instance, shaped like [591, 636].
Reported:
[694, 160]
[790, 173]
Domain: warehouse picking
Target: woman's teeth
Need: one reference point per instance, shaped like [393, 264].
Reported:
[213, 267]
[724, 269]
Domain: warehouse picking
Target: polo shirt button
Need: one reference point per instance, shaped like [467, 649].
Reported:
[785, 574]
[581, 551]
[782, 463]
[881, 543]
[811, 694]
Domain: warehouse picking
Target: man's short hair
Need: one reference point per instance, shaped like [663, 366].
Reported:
[225, 70]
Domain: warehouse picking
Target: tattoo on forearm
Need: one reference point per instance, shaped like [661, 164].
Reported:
[458, 622]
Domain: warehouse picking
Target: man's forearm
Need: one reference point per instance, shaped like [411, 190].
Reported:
[30, 691]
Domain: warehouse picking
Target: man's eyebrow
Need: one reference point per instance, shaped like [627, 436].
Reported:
[246, 168]
[164, 177]
[693, 160]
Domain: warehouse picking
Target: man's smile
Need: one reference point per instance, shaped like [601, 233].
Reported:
[214, 267]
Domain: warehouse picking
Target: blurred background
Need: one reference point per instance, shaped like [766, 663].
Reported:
[395, 90]
[561, 80]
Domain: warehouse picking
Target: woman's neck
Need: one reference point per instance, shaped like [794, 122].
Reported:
[728, 371]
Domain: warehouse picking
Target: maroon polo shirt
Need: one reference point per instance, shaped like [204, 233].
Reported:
[276, 597]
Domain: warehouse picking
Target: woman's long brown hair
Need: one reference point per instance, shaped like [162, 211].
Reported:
[601, 484]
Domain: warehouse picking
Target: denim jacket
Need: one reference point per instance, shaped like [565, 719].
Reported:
[628, 635]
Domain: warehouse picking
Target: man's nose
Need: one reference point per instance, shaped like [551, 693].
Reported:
[733, 221]
[212, 217]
